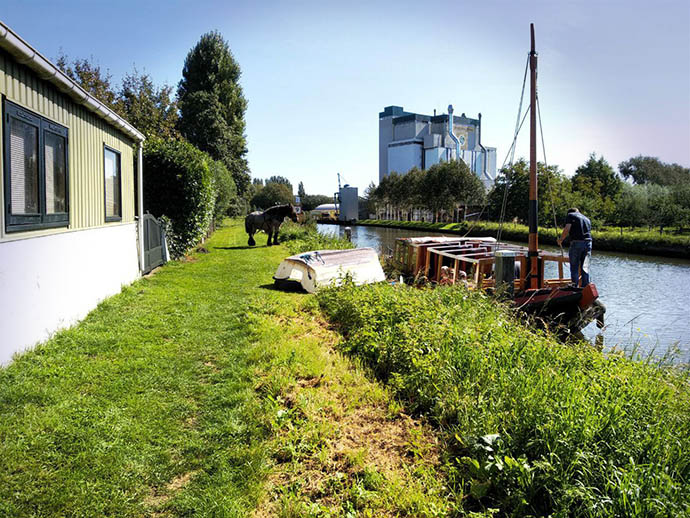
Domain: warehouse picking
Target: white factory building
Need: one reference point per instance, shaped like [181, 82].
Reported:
[408, 140]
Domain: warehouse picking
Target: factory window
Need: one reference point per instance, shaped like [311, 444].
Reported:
[36, 173]
[113, 197]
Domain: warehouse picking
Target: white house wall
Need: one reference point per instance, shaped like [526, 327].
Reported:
[51, 282]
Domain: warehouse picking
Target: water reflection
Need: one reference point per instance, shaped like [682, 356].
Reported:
[647, 298]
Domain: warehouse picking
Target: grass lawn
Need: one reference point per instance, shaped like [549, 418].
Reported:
[201, 391]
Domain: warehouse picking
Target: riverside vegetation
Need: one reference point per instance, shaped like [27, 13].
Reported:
[529, 426]
[202, 391]
[637, 241]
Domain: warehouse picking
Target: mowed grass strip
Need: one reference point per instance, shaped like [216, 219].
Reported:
[201, 391]
[154, 386]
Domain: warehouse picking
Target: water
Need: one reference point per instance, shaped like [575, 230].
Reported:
[647, 298]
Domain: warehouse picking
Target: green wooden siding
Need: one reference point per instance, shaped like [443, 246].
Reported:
[87, 135]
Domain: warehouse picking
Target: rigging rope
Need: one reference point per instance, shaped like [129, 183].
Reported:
[522, 96]
[505, 193]
[511, 152]
[543, 146]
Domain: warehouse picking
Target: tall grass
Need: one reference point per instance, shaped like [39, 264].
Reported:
[303, 238]
[638, 241]
[532, 427]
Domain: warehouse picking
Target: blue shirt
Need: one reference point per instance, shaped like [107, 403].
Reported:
[580, 226]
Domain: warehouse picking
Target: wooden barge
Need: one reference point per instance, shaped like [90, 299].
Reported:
[485, 264]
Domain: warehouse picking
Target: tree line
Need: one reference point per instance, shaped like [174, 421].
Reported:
[643, 192]
[438, 192]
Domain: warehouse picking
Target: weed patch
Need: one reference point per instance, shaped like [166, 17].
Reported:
[530, 426]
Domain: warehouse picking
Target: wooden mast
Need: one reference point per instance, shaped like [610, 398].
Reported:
[533, 252]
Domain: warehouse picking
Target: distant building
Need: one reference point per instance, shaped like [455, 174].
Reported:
[349, 203]
[408, 140]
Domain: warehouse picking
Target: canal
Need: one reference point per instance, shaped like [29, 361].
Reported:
[647, 298]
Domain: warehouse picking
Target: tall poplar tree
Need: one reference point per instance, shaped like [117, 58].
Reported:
[212, 105]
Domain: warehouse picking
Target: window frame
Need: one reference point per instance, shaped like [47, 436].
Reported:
[109, 219]
[41, 219]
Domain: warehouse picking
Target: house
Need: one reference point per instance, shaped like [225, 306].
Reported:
[408, 140]
[69, 224]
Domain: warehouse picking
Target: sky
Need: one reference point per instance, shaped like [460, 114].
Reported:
[614, 75]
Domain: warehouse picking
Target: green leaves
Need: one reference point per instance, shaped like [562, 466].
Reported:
[532, 426]
[212, 105]
[180, 185]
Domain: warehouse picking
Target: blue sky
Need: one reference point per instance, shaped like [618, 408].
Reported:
[614, 76]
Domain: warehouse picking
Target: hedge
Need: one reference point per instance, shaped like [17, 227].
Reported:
[179, 184]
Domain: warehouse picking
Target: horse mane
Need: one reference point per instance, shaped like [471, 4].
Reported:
[279, 210]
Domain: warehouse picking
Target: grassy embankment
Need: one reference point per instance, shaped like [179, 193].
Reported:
[530, 426]
[200, 391]
[638, 241]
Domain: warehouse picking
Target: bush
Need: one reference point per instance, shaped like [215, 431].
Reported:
[226, 192]
[179, 184]
[531, 426]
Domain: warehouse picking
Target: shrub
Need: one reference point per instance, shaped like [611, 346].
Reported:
[179, 184]
[226, 191]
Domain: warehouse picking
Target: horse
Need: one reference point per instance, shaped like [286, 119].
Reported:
[269, 221]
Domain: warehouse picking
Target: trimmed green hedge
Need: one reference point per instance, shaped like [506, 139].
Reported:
[636, 241]
[179, 185]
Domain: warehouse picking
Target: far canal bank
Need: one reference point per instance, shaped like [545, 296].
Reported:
[647, 298]
[639, 242]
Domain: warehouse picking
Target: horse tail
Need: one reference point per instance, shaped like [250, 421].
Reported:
[247, 224]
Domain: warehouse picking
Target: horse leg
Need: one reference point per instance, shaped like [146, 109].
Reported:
[251, 241]
[276, 228]
[270, 233]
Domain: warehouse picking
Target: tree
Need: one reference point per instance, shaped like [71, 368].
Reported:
[662, 211]
[631, 207]
[651, 170]
[368, 201]
[279, 179]
[311, 201]
[150, 109]
[226, 192]
[554, 190]
[448, 184]
[272, 194]
[301, 192]
[212, 105]
[597, 172]
[91, 78]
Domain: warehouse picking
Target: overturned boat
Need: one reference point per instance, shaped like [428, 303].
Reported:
[319, 268]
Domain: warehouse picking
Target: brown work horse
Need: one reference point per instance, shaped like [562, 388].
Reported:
[269, 221]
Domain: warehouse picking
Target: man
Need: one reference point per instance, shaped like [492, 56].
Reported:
[579, 228]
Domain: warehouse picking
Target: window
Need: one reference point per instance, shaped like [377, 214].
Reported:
[113, 205]
[36, 174]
